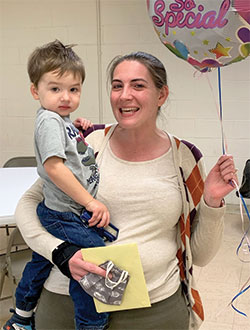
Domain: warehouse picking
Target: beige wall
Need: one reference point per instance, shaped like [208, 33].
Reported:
[103, 29]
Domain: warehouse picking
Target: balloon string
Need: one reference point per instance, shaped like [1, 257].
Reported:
[246, 250]
[219, 109]
[245, 232]
[246, 246]
[242, 290]
[220, 112]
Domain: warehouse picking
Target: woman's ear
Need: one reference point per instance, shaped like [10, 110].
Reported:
[163, 95]
[34, 92]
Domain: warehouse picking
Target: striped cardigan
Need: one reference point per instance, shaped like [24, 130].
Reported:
[191, 175]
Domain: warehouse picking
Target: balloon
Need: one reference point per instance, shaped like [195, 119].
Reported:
[207, 34]
[243, 9]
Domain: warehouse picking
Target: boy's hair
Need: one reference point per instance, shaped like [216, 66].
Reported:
[54, 56]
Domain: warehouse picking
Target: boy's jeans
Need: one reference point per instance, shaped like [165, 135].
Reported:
[68, 227]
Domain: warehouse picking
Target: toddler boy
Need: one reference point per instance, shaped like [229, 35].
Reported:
[66, 163]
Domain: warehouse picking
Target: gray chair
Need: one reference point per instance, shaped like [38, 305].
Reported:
[22, 161]
[14, 261]
[17, 253]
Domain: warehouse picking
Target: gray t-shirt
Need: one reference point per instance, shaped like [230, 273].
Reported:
[57, 136]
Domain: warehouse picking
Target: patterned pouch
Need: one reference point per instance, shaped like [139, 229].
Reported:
[108, 291]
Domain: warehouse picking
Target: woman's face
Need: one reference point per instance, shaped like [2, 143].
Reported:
[134, 97]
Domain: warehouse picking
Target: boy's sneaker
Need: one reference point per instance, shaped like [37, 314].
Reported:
[17, 322]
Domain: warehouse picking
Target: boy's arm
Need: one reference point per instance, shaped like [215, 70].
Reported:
[65, 180]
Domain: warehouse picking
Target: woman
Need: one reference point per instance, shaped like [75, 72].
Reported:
[155, 189]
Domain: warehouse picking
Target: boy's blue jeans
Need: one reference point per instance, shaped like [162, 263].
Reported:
[68, 227]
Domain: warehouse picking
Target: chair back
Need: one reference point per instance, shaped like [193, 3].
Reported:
[17, 252]
[16, 257]
[22, 161]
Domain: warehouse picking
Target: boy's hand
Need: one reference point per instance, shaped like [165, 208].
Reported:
[100, 214]
[82, 123]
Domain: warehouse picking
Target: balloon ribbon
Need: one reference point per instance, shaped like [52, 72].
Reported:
[220, 113]
[224, 150]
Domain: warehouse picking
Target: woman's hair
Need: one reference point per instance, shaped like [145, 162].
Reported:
[54, 56]
[153, 64]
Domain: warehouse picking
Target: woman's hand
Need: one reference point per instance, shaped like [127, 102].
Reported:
[78, 267]
[219, 181]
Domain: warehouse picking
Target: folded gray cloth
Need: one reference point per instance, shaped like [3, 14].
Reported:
[108, 291]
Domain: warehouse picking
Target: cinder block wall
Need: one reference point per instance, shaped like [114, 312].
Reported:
[103, 29]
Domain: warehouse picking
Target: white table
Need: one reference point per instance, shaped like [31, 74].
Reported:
[14, 181]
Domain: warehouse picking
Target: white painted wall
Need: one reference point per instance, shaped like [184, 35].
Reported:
[123, 26]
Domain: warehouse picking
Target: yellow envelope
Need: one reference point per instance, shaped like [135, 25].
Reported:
[126, 257]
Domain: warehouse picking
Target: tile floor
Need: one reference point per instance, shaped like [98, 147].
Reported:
[218, 282]
[223, 278]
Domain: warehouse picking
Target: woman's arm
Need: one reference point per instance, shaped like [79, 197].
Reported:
[207, 228]
[207, 233]
[36, 237]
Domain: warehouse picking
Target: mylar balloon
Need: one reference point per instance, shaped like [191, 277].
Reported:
[207, 34]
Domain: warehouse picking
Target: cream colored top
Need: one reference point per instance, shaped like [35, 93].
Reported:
[144, 201]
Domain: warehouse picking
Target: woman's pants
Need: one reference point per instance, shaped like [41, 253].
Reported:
[56, 311]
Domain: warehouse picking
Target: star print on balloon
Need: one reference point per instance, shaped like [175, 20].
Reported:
[220, 51]
[206, 34]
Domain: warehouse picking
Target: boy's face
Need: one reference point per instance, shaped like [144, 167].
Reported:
[58, 94]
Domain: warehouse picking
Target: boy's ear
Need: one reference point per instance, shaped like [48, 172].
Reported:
[34, 92]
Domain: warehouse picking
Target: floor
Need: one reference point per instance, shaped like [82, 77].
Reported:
[223, 278]
[218, 282]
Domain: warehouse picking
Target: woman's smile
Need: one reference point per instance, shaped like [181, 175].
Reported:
[129, 110]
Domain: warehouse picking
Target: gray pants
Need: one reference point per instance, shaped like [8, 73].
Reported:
[56, 311]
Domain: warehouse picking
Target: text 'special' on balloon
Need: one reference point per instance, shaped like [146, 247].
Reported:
[207, 34]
